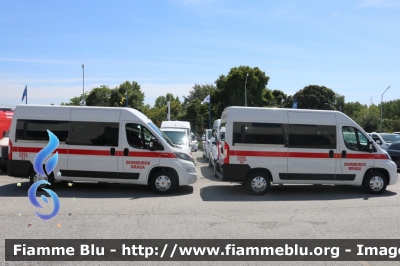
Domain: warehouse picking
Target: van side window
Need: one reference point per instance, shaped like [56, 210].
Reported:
[36, 130]
[258, 133]
[312, 136]
[354, 139]
[94, 133]
[138, 136]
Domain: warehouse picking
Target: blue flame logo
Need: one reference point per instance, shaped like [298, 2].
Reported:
[44, 172]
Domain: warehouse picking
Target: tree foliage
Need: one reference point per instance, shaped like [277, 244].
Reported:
[231, 88]
[315, 97]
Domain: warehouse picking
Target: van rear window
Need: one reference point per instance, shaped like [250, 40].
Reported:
[36, 130]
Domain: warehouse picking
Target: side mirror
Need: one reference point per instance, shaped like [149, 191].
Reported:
[154, 144]
[378, 142]
[370, 146]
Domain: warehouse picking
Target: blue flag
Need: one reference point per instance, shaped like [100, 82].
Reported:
[294, 104]
[25, 93]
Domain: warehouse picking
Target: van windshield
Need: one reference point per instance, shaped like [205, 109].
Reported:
[177, 137]
[161, 134]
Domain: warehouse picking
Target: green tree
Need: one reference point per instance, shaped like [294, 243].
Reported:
[75, 101]
[315, 97]
[279, 98]
[99, 96]
[135, 95]
[199, 92]
[231, 89]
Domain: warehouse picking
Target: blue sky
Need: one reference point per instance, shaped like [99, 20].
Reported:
[352, 47]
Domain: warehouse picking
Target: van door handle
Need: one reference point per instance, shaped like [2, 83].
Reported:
[343, 154]
[331, 154]
[112, 151]
[126, 152]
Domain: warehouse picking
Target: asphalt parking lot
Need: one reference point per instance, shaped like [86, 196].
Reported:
[209, 209]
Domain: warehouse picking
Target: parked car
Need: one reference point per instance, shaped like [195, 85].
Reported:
[193, 142]
[390, 138]
[379, 140]
[394, 152]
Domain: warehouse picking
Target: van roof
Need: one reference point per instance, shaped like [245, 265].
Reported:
[32, 111]
[172, 129]
[183, 124]
[281, 114]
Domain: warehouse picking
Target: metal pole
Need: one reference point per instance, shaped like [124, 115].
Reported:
[381, 105]
[209, 113]
[245, 92]
[83, 83]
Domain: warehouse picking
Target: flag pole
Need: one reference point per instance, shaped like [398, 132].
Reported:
[209, 112]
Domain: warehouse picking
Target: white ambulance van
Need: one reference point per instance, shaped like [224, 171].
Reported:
[100, 144]
[290, 146]
[206, 143]
[214, 142]
[178, 132]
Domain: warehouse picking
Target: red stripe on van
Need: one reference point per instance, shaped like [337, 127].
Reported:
[98, 152]
[315, 155]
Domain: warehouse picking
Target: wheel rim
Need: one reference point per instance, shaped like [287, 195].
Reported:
[258, 184]
[37, 178]
[376, 183]
[163, 183]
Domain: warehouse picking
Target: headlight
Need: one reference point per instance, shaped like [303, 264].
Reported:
[183, 156]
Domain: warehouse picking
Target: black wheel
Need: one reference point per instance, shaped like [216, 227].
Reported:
[204, 156]
[258, 183]
[164, 182]
[34, 177]
[209, 162]
[3, 169]
[375, 182]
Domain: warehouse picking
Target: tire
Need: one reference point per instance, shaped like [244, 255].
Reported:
[215, 169]
[258, 183]
[204, 156]
[375, 182]
[210, 163]
[163, 182]
[34, 177]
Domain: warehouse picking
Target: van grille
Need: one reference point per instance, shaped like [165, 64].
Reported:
[4, 152]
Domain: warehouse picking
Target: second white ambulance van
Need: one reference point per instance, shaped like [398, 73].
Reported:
[290, 146]
[100, 144]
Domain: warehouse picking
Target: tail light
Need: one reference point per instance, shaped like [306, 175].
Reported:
[9, 149]
[226, 153]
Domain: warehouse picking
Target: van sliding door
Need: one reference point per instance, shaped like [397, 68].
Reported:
[312, 148]
[93, 145]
